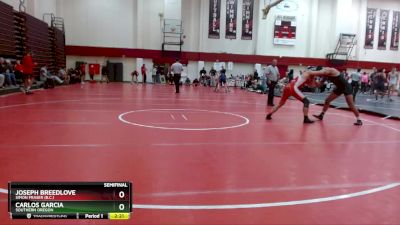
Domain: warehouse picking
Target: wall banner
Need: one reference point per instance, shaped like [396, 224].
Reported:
[370, 28]
[247, 19]
[383, 29]
[231, 19]
[214, 21]
[394, 40]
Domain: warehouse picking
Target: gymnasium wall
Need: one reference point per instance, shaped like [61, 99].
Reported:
[148, 23]
[13, 3]
[35, 8]
[319, 37]
[191, 69]
[98, 22]
[191, 24]
[265, 44]
[128, 64]
[44, 6]
[222, 45]
[238, 69]
[136, 24]
[320, 23]
[375, 54]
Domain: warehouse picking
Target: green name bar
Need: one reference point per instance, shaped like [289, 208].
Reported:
[70, 206]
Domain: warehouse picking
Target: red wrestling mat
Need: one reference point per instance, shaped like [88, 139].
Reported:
[202, 157]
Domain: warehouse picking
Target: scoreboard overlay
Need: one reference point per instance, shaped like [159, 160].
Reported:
[70, 200]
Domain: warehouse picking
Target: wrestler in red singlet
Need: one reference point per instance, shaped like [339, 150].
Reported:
[293, 89]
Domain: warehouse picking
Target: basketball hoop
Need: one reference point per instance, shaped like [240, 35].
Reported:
[266, 11]
[268, 7]
[173, 29]
[22, 7]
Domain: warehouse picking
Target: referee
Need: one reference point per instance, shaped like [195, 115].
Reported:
[355, 83]
[273, 75]
[176, 70]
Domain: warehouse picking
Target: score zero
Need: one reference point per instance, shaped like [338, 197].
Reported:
[121, 194]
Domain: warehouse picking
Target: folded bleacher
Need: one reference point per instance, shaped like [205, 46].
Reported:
[20, 31]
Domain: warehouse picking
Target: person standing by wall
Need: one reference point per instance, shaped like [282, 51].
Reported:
[364, 82]
[104, 74]
[158, 75]
[154, 74]
[203, 78]
[273, 75]
[256, 77]
[372, 80]
[19, 70]
[264, 81]
[393, 79]
[134, 75]
[176, 70]
[91, 72]
[83, 73]
[213, 74]
[290, 75]
[355, 82]
[380, 81]
[28, 63]
[2, 76]
[222, 80]
[144, 73]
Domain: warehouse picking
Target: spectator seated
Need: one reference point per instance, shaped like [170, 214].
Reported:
[74, 76]
[63, 75]
[48, 78]
[196, 82]
[187, 81]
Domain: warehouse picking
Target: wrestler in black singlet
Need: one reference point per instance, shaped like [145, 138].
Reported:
[342, 86]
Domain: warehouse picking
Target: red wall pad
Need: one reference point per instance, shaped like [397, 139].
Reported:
[210, 57]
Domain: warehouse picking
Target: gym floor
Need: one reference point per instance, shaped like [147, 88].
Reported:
[202, 157]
